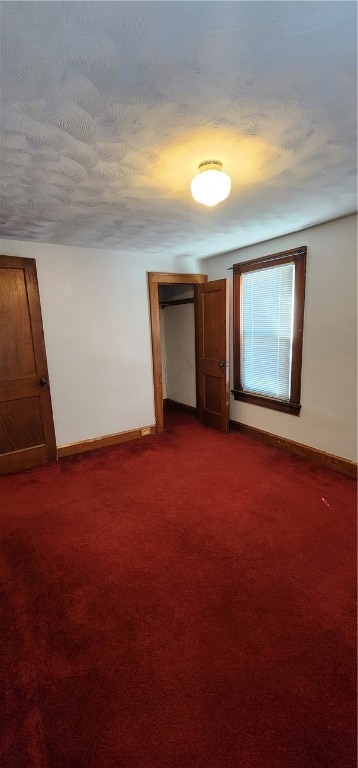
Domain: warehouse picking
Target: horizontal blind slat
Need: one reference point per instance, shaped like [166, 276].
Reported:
[266, 324]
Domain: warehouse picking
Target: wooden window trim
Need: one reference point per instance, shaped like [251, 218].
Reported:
[297, 256]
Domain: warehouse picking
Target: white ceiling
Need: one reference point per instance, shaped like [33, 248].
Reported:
[107, 108]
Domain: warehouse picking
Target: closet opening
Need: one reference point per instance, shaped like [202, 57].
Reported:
[178, 354]
[173, 326]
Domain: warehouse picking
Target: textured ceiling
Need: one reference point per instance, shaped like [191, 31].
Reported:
[107, 108]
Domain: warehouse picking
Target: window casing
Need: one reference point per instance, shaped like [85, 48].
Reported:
[268, 330]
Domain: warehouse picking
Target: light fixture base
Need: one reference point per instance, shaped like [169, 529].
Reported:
[210, 165]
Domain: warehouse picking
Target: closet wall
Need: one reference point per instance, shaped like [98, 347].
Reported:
[178, 346]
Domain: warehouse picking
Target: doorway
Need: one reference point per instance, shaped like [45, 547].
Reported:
[157, 282]
[177, 331]
[211, 313]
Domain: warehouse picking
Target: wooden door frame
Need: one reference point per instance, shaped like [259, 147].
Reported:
[155, 279]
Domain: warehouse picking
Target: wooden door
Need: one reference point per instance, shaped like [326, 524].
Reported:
[27, 435]
[212, 349]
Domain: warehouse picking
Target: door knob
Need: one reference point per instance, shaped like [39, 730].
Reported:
[43, 381]
[222, 365]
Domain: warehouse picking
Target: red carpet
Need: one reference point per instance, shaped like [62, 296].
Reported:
[182, 601]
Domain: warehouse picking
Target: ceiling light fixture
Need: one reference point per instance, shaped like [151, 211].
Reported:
[211, 186]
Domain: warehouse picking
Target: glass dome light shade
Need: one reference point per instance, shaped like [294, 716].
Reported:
[211, 185]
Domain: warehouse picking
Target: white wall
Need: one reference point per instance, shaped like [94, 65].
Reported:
[163, 352]
[179, 323]
[97, 331]
[328, 419]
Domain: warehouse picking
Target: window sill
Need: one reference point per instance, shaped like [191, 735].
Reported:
[267, 402]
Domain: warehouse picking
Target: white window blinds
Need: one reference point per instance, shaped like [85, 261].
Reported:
[267, 301]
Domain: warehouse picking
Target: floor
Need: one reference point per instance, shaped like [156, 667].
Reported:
[183, 601]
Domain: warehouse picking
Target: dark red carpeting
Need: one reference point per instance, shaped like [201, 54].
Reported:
[182, 601]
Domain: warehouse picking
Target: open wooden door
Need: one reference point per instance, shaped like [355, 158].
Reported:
[212, 350]
[27, 435]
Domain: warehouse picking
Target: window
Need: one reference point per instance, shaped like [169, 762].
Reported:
[268, 330]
